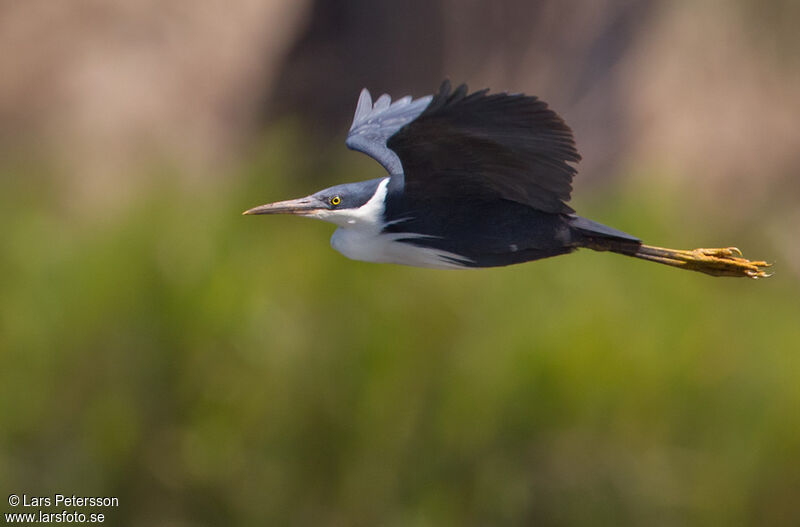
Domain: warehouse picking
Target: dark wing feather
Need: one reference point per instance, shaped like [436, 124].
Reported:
[488, 145]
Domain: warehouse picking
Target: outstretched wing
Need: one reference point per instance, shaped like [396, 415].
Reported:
[480, 145]
[456, 145]
[374, 124]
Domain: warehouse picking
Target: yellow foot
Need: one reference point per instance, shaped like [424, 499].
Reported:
[716, 262]
[729, 262]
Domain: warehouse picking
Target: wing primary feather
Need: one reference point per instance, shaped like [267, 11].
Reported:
[363, 108]
[382, 103]
[482, 145]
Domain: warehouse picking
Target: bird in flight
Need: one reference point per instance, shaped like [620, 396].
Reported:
[474, 180]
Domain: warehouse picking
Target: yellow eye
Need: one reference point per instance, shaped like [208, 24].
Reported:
[335, 200]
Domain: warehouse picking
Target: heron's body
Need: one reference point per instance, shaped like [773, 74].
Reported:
[472, 233]
[475, 180]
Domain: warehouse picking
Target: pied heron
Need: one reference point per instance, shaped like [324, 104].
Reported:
[475, 180]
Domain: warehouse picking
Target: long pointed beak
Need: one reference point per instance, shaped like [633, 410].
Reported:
[301, 206]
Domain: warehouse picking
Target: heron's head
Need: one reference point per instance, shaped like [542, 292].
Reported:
[351, 205]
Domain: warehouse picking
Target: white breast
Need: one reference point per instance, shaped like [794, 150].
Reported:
[384, 248]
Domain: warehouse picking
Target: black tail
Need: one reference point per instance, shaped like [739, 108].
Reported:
[715, 262]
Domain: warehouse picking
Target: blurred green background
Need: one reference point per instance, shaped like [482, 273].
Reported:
[210, 369]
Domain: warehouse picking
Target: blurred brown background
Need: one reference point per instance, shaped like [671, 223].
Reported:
[709, 88]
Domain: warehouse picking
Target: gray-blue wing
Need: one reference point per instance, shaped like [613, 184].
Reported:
[374, 124]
